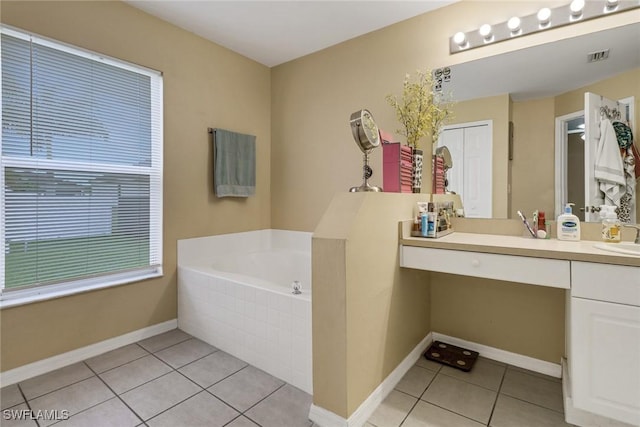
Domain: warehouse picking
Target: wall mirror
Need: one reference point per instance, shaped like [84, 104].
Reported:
[514, 87]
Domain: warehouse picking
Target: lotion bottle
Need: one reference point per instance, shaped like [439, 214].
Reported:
[568, 225]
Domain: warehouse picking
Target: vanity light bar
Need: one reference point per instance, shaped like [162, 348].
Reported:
[544, 19]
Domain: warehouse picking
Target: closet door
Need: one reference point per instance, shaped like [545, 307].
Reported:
[470, 145]
[477, 172]
[453, 139]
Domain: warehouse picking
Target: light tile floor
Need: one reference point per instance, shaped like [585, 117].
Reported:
[171, 379]
[492, 394]
[174, 379]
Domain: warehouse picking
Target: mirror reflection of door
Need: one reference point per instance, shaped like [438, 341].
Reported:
[577, 136]
[575, 164]
[471, 148]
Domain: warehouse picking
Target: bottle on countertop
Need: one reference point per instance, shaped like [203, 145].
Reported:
[611, 226]
[568, 225]
[423, 224]
[431, 221]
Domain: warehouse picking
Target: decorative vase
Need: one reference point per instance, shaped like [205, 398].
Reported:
[417, 170]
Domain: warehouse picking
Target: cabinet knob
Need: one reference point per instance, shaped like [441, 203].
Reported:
[475, 263]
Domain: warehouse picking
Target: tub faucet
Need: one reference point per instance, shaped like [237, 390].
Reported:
[637, 227]
[297, 287]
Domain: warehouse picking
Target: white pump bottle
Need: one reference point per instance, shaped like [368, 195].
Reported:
[568, 225]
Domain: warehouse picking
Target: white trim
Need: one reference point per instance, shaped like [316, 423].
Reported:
[360, 416]
[75, 50]
[43, 366]
[469, 124]
[13, 298]
[561, 152]
[519, 360]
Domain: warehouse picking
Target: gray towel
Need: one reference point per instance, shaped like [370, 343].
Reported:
[234, 171]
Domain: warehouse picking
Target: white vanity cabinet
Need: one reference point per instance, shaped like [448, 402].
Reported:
[604, 359]
[602, 380]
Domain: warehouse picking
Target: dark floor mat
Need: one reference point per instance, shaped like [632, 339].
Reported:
[450, 355]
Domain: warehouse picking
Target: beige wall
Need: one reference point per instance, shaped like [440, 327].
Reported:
[522, 319]
[533, 176]
[368, 313]
[205, 85]
[313, 153]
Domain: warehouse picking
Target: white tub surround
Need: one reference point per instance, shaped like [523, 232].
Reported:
[234, 292]
[602, 370]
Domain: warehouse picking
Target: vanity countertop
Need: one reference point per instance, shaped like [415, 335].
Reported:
[523, 246]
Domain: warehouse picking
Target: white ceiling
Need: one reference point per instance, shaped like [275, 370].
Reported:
[273, 32]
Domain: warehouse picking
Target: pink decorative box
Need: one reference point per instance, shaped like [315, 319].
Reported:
[396, 167]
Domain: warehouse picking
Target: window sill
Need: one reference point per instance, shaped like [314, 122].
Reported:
[43, 293]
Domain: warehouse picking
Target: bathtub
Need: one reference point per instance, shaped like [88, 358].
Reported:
[235, 293]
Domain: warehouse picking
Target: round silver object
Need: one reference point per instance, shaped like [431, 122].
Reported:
[364, 130]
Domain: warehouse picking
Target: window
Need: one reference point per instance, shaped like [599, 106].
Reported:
[81, 170]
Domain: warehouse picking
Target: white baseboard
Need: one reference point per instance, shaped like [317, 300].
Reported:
[43, 366]
[325, 418]
[525, 362]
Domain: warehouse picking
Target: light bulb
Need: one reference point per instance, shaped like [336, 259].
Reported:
[611, 4]
[460, 38]
[514, 24]
[485, 31]
[544, 15]
[576, 7]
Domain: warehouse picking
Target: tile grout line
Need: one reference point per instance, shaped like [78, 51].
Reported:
[478, 385]
[419, 397]
[59, 388]
[121, 365]
[173, 406]
[26, 401]
[170, 345]
[449, 410]
[222, 379]
[519, 370]
[495, 402]
[186, 364]
[262, 400]
[116, 395]
[179, 373]
[170, 372]
[144, 383]
[532, 403]
[433, 404]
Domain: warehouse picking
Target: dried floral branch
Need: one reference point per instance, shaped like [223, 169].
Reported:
[421, 111]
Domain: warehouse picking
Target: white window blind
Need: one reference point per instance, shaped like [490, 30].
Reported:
[81, 167]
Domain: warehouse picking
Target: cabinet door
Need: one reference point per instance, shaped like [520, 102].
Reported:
[605, 370]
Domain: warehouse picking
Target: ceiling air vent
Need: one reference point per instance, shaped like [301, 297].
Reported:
[600, 55]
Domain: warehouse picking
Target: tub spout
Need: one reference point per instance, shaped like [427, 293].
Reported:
[297, 287]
